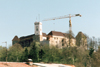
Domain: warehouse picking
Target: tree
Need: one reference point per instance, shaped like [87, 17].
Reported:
[33, 52]
[26, 53]
[15, 52]
[92, 43]
[24, 57]
[41, 53]
[3, 54]
[82, 56]
[1, 47]
[91, 51]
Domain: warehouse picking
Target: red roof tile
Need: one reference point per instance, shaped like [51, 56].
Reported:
[44, 34]
[56, 33]
[13, 64]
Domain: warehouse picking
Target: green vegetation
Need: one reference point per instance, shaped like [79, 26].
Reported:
[78, 56]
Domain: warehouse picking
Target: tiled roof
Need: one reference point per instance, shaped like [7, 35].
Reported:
[30, 36]
[15, 38]
[56, 33]
[44, 34]
[27, 36]
[13, 64]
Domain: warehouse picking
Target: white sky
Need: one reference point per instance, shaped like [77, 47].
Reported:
[17, 17]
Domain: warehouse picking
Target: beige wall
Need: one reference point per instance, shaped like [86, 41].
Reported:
[57, 40]
[73, 42]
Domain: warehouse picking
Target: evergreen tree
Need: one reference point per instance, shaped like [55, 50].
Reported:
[91, 52]
[41, 53]
[24, 56]
[33, 52]
[26, 53]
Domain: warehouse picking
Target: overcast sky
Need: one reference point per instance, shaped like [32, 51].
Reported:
[17, 17]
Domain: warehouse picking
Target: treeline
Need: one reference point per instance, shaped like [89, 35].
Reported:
[79, 56]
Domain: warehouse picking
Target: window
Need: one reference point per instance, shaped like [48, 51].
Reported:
[36, 28]
[62, 44]
[36, 23]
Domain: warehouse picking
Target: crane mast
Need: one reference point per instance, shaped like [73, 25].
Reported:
[62, 17]
[70, 24]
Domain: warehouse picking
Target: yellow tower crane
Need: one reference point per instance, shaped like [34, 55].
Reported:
[66, 16]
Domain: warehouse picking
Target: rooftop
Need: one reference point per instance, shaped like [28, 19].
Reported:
[13, 64]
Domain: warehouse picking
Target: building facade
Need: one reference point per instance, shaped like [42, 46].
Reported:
[53, 38]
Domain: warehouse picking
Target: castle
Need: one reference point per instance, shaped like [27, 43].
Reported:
[53, 38]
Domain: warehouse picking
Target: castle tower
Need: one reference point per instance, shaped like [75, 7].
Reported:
[38, 31]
